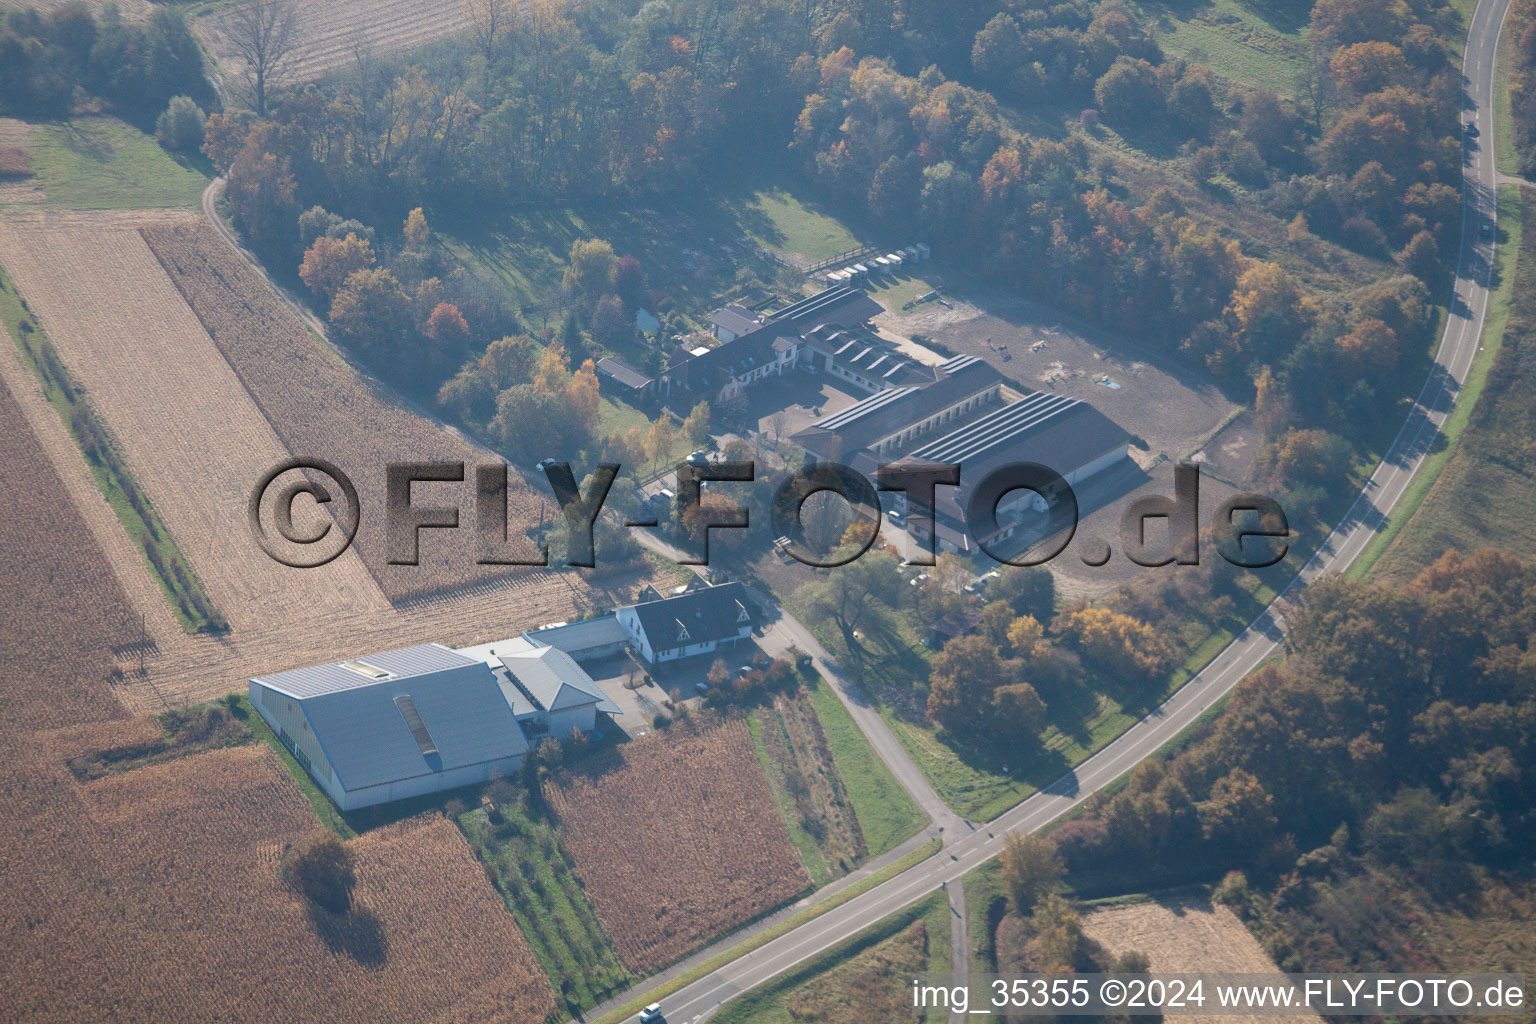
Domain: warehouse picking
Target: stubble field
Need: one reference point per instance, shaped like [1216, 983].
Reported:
[154, 894]
[192, 437]
[1182, 936]
[180, 405]
[319, 405]
[676, 839]
[331, 34]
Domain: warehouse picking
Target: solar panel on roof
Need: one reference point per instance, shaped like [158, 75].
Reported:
[993, 429]
[415, 724]
[841, 419]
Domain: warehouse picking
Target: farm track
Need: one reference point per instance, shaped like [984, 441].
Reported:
[332, 32]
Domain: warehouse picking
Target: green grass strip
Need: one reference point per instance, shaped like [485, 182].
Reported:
[168, 566]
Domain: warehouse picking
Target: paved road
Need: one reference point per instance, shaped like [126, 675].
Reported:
[968, 849]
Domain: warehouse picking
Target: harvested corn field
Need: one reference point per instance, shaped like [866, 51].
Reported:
[161, 898]
[676, 839]
[305, 620]
[155, 894]
[130, 340]
[61, 602]
[320, 405]
[330, 35]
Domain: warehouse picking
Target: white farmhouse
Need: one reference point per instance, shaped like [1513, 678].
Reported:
[698, 622]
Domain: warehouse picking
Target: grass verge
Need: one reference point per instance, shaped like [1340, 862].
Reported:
[169, 567]
[840, 985]
[887, 815]
[1455, 425]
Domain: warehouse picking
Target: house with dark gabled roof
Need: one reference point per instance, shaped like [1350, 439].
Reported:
[699, 622]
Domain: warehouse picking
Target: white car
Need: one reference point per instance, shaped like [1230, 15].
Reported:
[652, 1015]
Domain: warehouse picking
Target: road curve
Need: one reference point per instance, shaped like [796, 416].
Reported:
[1453, 359]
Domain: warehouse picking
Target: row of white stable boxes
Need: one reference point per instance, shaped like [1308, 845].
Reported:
[888, 263]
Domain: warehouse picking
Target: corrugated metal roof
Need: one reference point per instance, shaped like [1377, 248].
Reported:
[554, 680]
[576, 637]
[406, 663]
[369, 741]
[522, 707]
[1011, 422]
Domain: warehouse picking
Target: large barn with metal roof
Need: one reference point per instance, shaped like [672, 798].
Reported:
[423, 719]
[971, 418]
[393, 725]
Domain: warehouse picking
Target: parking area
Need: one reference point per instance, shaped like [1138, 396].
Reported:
[794, 401]
[623, 680]
[1169, 405]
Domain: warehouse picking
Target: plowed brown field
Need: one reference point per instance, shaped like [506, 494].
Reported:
[677, 840]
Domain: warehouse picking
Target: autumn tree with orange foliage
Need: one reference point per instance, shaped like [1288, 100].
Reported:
[1117, 643]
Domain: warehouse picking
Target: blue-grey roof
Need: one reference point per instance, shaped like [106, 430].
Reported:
[406, 663]
[554, 680]
[455, 717]
[522, 704]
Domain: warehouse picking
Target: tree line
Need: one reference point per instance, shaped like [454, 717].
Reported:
[53, 63]
[1390, 753]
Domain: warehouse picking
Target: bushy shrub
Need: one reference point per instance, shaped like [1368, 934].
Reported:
[179, 129]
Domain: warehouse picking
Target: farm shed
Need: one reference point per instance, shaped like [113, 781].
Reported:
[393, 725]
[617, 370]
[565, 697]
[698, 622]
[549, 693]
[587, 640]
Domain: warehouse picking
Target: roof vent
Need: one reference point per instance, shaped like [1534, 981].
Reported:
[362, 668]
[413, 721]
